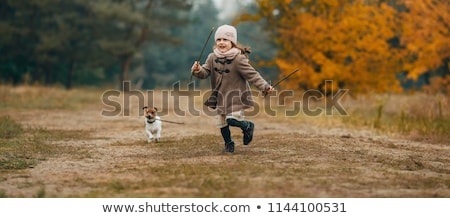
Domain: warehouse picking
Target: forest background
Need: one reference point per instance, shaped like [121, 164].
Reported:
[61, 61]
[364, 46]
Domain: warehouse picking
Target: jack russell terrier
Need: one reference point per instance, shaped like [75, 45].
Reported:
[153, 123]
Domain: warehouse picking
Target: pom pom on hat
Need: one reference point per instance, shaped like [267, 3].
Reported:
[226, 32]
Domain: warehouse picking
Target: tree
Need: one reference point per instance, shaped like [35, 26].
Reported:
[49, 39]
[17, 38]
[124, 26]
[168, 63]
[46, 40]
[343, 40]
[426, 38]
[361, 45]
[252, 34]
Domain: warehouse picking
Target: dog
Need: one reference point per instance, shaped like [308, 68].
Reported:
[153, 125]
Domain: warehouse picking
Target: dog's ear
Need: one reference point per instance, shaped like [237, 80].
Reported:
[156, 109]
[145, 107]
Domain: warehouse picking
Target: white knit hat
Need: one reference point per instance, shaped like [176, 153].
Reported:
[226, 32]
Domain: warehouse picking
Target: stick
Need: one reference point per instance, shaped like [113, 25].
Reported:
[203, 49]
[282, 79]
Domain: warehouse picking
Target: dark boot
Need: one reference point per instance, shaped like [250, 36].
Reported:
[248, 133]
[229, 147]
[246, 126]
[226, 135]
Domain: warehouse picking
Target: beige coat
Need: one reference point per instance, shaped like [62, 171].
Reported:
[234, 75]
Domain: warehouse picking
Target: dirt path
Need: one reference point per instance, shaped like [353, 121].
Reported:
[104, 159]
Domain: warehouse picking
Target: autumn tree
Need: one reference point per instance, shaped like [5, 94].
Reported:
[426, 39]
[342, 40]
[360, 45]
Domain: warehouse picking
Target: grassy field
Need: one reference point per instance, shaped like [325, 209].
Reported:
[56, 143]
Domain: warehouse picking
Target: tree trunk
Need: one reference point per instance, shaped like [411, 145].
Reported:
[126, 62]
[70, 75]
[35, 75]
[47, 75]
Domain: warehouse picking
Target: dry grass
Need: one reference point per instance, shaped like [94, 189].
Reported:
[278, 166]
[32, 146]
[418, 117]
[46, 98]
[73, 151]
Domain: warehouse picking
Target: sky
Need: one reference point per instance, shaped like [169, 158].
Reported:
[229, 7]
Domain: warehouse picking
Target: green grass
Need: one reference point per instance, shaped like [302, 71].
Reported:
[9, 128]
[2, 194]
[23, 148]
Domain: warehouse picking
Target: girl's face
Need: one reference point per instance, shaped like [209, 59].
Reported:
[223, 45]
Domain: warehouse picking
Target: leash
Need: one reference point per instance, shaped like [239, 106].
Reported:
[203, 49]
[164, 121]
[168, 121]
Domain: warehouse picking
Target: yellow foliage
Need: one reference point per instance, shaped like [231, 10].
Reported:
[360, 45]
[425, 34]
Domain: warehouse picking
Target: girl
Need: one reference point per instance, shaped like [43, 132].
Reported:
[230, 74]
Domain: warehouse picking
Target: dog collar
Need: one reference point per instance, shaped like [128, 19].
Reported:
[148, 121]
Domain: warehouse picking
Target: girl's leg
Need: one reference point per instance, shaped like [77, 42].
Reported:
[237, 119]
[246, 126]
[243, 124]
[226, 134]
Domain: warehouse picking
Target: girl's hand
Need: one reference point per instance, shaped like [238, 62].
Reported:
[195, 67]
[269, 89]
